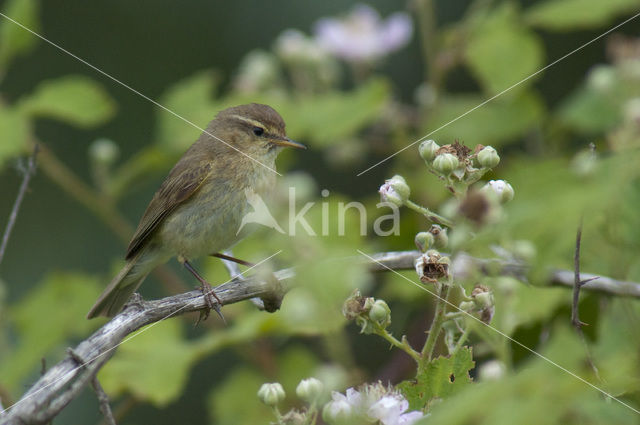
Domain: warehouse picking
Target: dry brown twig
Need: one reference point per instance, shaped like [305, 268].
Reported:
[28, 173]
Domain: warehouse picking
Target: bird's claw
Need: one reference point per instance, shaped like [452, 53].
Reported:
[209, 295]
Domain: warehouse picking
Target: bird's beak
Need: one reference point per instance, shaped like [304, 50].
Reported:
[288, 142]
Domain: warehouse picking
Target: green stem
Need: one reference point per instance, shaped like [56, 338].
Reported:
[428, 33]
[436, 325]
[403, 345]
[462, 340]
[436, 218]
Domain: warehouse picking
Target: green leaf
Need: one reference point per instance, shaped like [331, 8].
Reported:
[567, 15]
[235, 401]
[15, 40]
[75, 99]
[590, 111]
[503, 119]
[14, 132]
[441, 378]
[330, 118]
[540, 392]
[50, 314]
[502, 52]
[192, 99]
[153, 364]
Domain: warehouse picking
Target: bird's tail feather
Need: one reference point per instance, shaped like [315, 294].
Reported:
[116, 295]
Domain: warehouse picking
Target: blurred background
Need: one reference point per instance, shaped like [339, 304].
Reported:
[355, 82]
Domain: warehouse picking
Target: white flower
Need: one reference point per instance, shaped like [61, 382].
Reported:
[374, 403]
[388, 409]
[362, 36]
[338, 410]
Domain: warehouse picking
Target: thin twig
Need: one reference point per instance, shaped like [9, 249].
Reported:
[30, 171]
[404, 260]
[103, 399]
[575, 314]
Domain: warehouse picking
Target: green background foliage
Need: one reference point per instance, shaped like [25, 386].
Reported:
[80, 210]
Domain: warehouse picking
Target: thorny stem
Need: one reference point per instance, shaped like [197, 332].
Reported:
[461, 340]
[436, 325]
[403, 345]
[436, 218]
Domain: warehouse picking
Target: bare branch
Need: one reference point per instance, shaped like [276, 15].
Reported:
[30, 171]
[404, 260]
[64, 381]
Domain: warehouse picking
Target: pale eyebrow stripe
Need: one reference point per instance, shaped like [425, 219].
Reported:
[250, 121]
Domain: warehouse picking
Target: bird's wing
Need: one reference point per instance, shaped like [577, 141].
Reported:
[182, 182]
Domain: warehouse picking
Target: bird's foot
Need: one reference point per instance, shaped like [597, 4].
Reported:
[212, 303]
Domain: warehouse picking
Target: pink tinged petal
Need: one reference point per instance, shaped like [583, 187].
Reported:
[397, 31]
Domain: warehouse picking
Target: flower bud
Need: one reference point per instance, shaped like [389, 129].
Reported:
[271, 394]
[488, 157]
[399, 184]
[440, 236]
[337, 412]
[428, 150]
[424, 241]
[395, 190]
[445, 163]
[104, 151]
[467, 306]
[309, 390]
[484, 303]
[380, 313]
[501, 189]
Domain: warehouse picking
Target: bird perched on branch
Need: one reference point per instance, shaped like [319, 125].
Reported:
[198, 209]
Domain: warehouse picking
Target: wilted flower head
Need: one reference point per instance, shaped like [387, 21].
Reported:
[363, 36]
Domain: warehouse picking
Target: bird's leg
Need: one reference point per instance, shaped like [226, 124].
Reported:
[231, 264]
[235, 260]
[207, 291]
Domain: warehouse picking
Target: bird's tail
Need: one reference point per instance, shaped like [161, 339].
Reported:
[116, 295]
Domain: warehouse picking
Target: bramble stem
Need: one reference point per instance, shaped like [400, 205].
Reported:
[403, 345]
[436, 218]
[436, 325]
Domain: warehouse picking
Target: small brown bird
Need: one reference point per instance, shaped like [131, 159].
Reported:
[199, 207]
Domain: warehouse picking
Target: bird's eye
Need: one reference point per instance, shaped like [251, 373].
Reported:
[258, 131]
